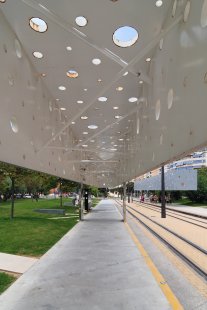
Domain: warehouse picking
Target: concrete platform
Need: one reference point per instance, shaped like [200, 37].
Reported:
[96, 266]
[15, 263]
[194, 210]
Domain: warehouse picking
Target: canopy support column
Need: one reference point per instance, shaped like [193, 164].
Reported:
[163, 206]
[124, 202]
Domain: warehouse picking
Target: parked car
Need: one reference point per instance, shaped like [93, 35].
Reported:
[27, 196]
[18, 196]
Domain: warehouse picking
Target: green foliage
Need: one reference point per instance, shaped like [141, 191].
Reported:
[92, 190]
[26, 180]
[69, 186]
[5, 281]
[201, 194]
[175, 195]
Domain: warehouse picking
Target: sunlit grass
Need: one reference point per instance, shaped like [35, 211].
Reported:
[31, 233]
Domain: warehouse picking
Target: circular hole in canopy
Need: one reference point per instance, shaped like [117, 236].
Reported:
[157, 110]
[132, 99]
[72, 74]
[170, 99]
[18, 48]
[125, 36]
[96, 61]
[38, 55]
[92, 126]
[2, 1]
[125, 73]
[38, 24]
[204, 14]
[14, 125]
[102, 99]
[61, 87]
[119, 88]
[159, 3]
[81, 21]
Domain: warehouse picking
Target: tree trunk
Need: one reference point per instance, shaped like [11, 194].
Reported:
[12, 199]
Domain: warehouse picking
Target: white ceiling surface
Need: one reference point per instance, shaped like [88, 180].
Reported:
[168, 120]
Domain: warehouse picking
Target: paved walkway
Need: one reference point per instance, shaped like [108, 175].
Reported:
[96, 266]
[193, 210]
[15, 263]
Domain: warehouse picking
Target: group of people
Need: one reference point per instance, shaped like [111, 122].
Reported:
[153, 198]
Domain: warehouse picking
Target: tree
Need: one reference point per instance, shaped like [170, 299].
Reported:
[69, 186]
[16, 179]
[15, 174]
[201, 194]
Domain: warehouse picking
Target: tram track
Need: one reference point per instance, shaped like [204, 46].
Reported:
[184, 213]
[174, 241]
[177, 216]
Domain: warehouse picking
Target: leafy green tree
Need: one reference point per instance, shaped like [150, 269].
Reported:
[15, 174]
[94, 191]
[69, 186]
[201, 194]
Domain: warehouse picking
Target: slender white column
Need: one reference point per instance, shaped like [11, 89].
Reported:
[124, 201]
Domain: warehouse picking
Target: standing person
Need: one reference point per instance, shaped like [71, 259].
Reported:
[36, 197]
[155, 198]
[77, 199]
[142, 198]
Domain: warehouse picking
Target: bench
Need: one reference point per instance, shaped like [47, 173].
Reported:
[68, 204]
[51, 211]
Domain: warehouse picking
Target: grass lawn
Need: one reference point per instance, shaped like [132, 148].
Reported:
[5, 281]
[187, 202]
[31, 233]
[95, 201]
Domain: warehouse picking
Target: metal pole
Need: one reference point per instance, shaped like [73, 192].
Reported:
[163, 206]
[124, 201]
[86, 201]
[12, 196]
[81, 203]
[128, 193]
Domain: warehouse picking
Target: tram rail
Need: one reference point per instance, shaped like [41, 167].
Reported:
[176, 215]
[174, 241]
[173, 210]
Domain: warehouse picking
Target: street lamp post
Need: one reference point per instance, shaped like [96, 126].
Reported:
[163, 206]
[61, 196]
